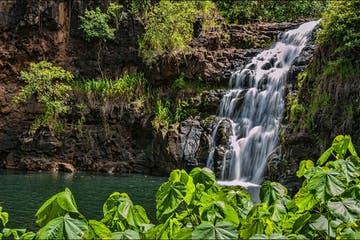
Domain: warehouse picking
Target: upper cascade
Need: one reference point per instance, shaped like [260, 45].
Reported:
[254, 107]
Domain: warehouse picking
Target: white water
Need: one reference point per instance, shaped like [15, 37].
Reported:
[254, 107]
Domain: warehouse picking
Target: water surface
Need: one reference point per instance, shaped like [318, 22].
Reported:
[22, 193]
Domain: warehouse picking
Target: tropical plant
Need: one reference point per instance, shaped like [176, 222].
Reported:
[195, 206]
[168, 30]
[50, 85]
[246, 11]
[97, 26]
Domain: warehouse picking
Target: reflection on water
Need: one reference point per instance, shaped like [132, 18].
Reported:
[22, 193]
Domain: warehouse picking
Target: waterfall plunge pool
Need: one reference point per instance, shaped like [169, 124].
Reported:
[22, 193]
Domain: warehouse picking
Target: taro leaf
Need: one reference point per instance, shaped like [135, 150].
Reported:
[353, 192]
[171, 194]
[263, 236]
[349, 233]
[341, 144]
[164, 231]
[305, 165]
[301, 222]
[347, 168]
[321, 224]
[219, 210]
[221, 230]
[63, 227]
[348, 210]
[325, 156]
[121, 214]
[305, 200]
[204, 176]
[126, 235]
[272, 191]
[28, 236]
[58, 205]
[238, 198]
[97, 230]
[4, 217]
[277, 211]
[184, 234]
[326, 184]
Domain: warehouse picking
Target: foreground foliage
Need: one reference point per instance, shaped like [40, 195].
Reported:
[194, 206]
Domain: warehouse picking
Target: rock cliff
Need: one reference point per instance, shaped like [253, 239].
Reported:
[32, 31]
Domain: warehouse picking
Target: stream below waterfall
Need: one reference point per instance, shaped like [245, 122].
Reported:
[254, 109]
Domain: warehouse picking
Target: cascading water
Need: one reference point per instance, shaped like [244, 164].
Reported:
[254, 107]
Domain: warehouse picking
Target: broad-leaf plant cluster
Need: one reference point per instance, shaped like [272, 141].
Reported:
[195, 206]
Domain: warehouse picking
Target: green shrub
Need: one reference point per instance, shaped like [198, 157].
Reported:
[95, 24]
[104, 94]
[246, 11]
[340, 29]
[168, 30]
[50, 86]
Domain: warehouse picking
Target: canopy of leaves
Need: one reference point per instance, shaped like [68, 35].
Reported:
[245, 11]
[95, 24]
[168, 30]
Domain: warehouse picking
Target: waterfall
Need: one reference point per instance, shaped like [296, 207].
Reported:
[254, 107]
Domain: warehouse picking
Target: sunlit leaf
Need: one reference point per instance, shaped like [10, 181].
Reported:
[97, 230]
[221, 230]
[325, 184]
[171, 194]
[63, 227]
[58, 205]
[304, 166]
[120, 213]
[272, 191]
[348, 210]
[126, 235]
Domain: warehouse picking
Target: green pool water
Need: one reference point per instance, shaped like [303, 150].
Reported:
[22, 193]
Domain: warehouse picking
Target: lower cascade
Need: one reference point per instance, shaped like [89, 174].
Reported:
[254, 108]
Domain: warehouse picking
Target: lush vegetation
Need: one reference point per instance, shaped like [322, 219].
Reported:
[246, 11]
[329, 87]
[194, 206]
[51, 87]
[170, 27]
[60, 93]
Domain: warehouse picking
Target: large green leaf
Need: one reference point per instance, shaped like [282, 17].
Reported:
[64, 227]
[97, 230]
[120, 213]
[277, 211]
[216, 211]
[4, 217]
[348, 210]
[238, 198]
[305, 165]
[272, 191]
[341, 144]
[126, 235]
[58, 205]
[305, 200]
[326, 184]
[168, 230]
[347, 168]
[221, 230]
[322, 224]
[177, 190]
[204, 176]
